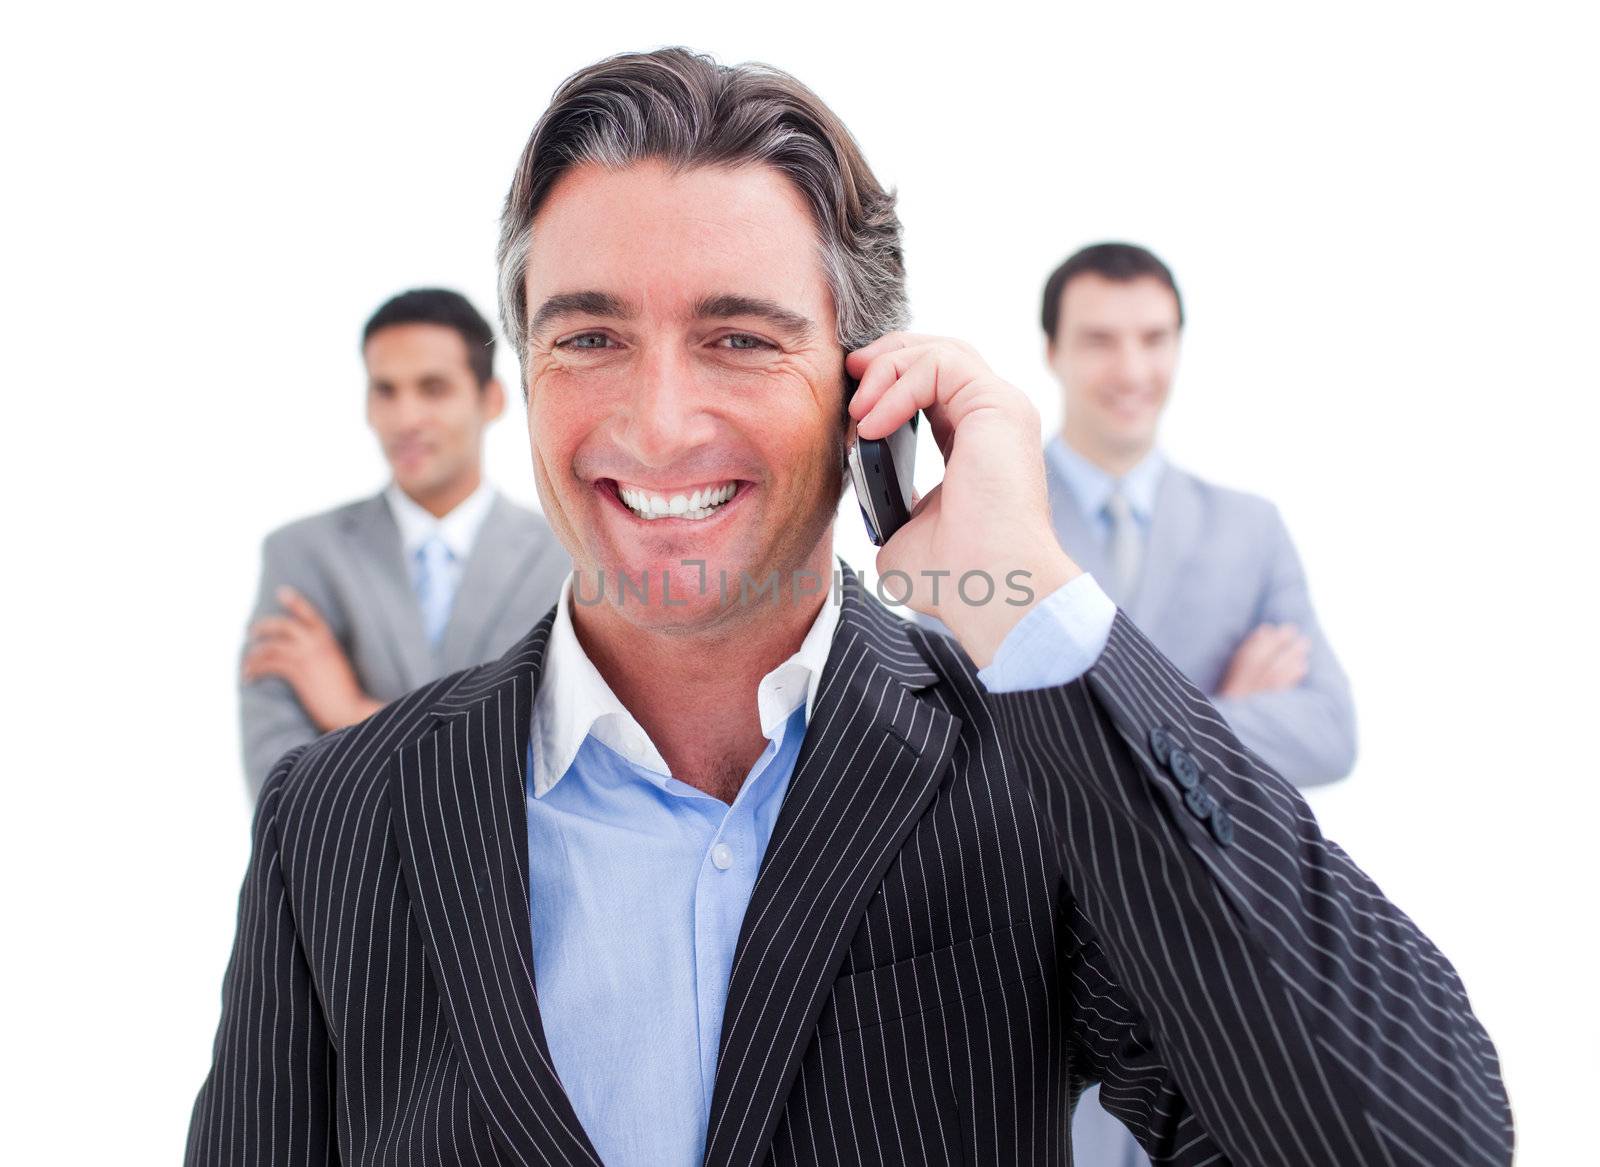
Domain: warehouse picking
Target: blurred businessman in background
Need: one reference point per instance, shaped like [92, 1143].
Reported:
[365, 602]
[1209, 574]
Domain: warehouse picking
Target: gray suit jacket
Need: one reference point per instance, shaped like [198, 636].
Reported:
[1218, 563]
[349, 563]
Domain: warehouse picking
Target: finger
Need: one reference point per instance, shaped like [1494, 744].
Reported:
[1283, 677]
[265, 662]
[299, 607]
[1262, 634]
[274, 628]
[1257, 648]
[855, 363]
[910, 388]
[879, 373]
[1284, 648]
[1288, 668]
[933, 384]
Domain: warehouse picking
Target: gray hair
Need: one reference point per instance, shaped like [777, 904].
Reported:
[684, 109]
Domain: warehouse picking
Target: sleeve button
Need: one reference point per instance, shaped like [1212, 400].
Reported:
[1184, 768]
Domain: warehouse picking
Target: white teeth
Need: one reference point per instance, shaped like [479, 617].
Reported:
[700, 504]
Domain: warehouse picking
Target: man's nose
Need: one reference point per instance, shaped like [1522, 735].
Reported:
[410, 411]
[664, 418]
[1132, 363]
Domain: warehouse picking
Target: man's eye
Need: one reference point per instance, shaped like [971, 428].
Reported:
[586, 340]
[740, 340]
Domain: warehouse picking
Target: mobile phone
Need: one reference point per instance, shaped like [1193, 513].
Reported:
[880, 468]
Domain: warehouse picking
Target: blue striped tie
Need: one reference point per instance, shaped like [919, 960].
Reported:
[435, 586]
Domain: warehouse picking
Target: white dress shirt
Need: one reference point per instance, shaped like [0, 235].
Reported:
[457, 530]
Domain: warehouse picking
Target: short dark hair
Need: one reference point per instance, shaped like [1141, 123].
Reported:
[444, 307]
[1120, 262]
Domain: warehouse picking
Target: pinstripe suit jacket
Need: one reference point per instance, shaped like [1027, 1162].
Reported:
[971, 906]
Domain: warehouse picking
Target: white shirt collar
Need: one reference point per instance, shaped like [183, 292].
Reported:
[459, 529]
[574, 701]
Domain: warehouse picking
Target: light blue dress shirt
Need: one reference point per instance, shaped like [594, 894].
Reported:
[1091, 486]
[639, 883]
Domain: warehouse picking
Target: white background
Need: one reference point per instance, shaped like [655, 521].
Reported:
[1384, 224]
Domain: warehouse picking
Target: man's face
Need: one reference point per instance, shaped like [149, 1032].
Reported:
[682, 348]
[1115, 351]
[427, 408]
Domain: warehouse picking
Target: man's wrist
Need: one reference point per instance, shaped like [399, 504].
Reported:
[980, 629]
[358, 707]
[363, 708]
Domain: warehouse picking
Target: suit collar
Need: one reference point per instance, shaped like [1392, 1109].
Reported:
[375, 542]
[575, 701]
[504, 552]
[459, 529]
[885, 637]
[869, 766]
[1091, 486]
[1173, 538]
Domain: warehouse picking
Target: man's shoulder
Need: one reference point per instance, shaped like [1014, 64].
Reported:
[916, 647]
[342, 772]
[523, 520]
[1226, 504]
[311, 528]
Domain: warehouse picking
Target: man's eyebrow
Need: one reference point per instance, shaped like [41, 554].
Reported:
[577, 304]
[720, 307]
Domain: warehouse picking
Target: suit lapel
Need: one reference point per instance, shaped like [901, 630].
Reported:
[868, 769]
[375, 540]
[492, 572]
[463, 839]
[1174, 535]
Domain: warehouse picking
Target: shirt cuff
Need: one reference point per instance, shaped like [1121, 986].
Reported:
[1055, 643]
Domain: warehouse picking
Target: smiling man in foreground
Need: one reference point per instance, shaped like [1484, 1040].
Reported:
[710, 872]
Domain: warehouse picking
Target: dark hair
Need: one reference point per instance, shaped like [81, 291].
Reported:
[440, 306]
[1120, 262]
[686, 110]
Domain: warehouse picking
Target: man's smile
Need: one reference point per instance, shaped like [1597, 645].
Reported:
[696, 503]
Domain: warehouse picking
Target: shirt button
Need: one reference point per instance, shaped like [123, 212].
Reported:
[722, 856]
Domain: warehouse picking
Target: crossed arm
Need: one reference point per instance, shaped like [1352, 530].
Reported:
[295, 678]
[1285, 694]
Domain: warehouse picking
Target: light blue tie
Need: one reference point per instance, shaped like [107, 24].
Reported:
[435, 583]
[1124, 545]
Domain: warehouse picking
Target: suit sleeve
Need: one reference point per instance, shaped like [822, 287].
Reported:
[1308, 733]
[271, 719]
[269, 1096]
[1272, 997]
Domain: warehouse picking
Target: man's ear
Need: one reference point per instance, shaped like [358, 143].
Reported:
[494, 399]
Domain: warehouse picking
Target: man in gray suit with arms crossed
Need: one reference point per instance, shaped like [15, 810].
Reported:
[365, 602]
[1209, 574]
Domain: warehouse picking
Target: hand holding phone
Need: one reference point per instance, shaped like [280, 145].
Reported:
[989, 516]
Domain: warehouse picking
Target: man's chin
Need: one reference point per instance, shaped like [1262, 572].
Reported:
[690, 594]
[418, 484]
